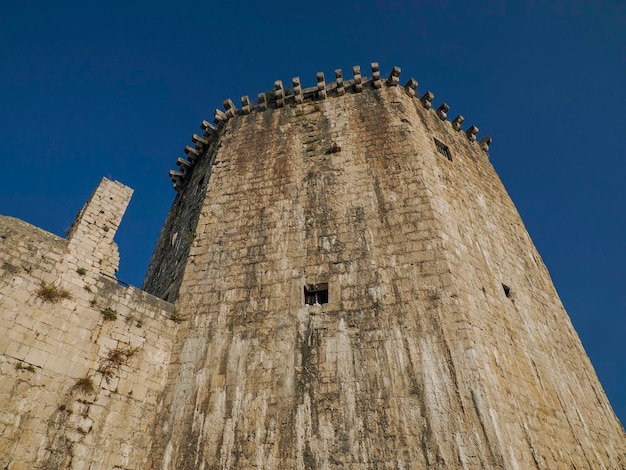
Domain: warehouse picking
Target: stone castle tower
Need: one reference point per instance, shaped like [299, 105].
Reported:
[342, 282]
[361, 293]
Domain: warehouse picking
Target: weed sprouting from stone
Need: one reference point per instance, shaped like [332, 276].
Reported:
[22, 366]
[52, 293]
[84, 384]
[176, 317]
[109, 314]
[115, 358]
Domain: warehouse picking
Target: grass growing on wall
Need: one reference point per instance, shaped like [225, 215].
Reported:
[84, 384]
[52, 293]
[109, 314]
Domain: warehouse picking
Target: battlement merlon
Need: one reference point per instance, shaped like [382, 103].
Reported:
[90, 238]
[280, 97]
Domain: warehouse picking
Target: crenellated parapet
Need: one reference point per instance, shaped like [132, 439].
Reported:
[295, 95]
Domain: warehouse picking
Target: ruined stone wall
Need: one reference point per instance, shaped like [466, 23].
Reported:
[90, 238]
[83, 360]
[419, 359]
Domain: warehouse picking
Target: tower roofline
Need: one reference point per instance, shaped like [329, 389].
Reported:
[295, 95]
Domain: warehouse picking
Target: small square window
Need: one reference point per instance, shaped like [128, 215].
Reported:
[316, 294]
[443, 149]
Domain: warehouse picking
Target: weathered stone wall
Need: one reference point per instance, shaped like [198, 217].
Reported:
[443, 343]
[77, 389]
[90, 238]
[419, 359]
[540, 398]
[168, 262]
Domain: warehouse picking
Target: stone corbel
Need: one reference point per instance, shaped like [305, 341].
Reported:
[358, 80]
[339, 80]
[457, 121]
[219, 117]
[192, 153]
[321, 86]
[427, 99]
[471, 133]
[246, 107]
[485, 142]
[376, 75]
[394, 77]
[279, 92]
[410, 87]
[442, 111]
[297, 90]
[177, 178]
[210, 131]
[184, 165]
[230, 108]
[200, 142]
[262, 103]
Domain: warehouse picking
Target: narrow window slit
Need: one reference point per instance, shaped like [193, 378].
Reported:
[316, 294]
[507, 290]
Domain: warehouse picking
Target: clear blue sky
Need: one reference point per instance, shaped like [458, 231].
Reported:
[92, 89]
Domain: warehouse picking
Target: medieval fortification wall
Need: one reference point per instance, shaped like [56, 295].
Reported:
[83, 360]
[353, 288]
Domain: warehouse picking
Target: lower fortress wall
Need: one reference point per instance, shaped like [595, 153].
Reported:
[83, 360]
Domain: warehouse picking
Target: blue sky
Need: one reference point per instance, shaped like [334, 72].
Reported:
[116, 89]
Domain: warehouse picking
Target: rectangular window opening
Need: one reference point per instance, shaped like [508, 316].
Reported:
[443, 149]
[316, 294]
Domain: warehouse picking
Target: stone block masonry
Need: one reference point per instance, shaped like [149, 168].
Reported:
[443, 343]
[90, 238]
[354, 289]
[83, 360]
